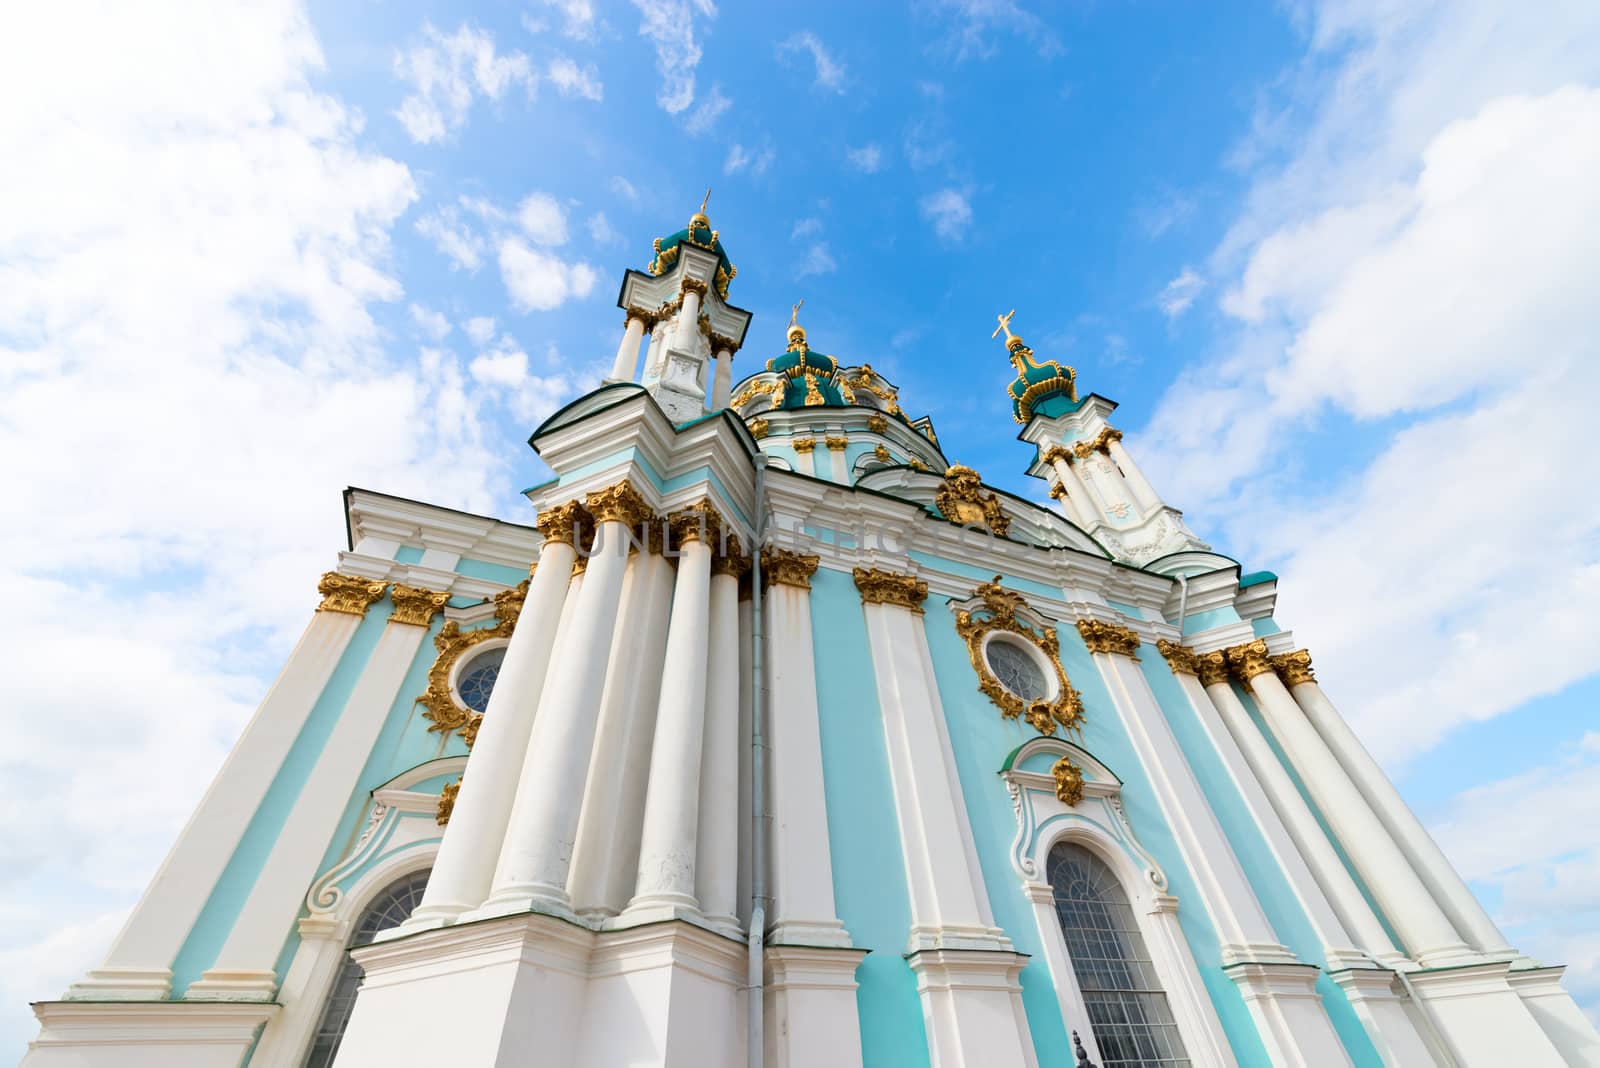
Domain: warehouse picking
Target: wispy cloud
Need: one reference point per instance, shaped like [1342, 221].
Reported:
[949, 212]
[669, 25]
[453, 237]
[868, 158]
[973, 27]
[430, 322]
[817, 260]
[601, 232]
[830, 74]
[447, 71]
[577, 18]
[807, 227]
[572, 80]
[704, 117]
[754, 160]
[543, 218]
[1177, 295]
[624, 189]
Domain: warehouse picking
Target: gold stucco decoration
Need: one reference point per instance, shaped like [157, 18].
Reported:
[1180, 658]
[348, 594]
[780, 567]
[1249, 660]
[877, 423]
[447, 802]
[881, 452]
[1294, 668]
[559, 523]
[961, 500]
[836, 444]
[865, 378]
[756, 389]
[1213, 667]
[1109, 638]
[999, 613]
[619, 503]
[804, 445]
[888, 587]
[415, 606]
[438, 703]
[759, 428]
[1069, 781]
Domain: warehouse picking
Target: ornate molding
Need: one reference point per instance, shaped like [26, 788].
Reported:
[1248, 660]
[731, 560]
[1109, 638]
[647, 319]
[999, 613]
[691, 284]
[1068, 777]
[877, 423]
[836, 444]
[697, 522]
[758, 428]
[438, 703]
[780, 567]
[888, 587]
[1213, 667]
[756, 389]
[803, 445]
[560, 523]
[961, 500]
[870, 381]
[1180, 658]
[620, 503]
[1056, 452]
[347, 594]
[416, 606]
[1293, 668]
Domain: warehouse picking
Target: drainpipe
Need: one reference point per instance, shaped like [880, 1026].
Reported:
[1183, 603]
[756, 981]
[1429, 1022]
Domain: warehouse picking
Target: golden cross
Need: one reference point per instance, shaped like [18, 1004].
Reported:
[705, 200]
[1005, 324]
[794, 313]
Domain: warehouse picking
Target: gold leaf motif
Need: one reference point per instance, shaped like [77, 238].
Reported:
[867, 379]
[348, 594]
[887, 587]
[780, 567]
[698, 522]
[1213, 667]
[1069, 781]
[692, 285]
[877, 423]
[1294, 668]
[447, 802]
[999, 613]
[1056, 452]
[836, 444]
[961, 500]
[804, 445]
[560, 522]
[1109, 638]
[438, 703]
[754, 390]
[758, 428]
[619, 503]
[722, 342]
[881, 452]
[1057, 490]
[1249, 660]
[1180, 658]
[415, 606]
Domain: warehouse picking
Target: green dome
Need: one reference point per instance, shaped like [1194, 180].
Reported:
[699, 234]
[1037, 383]
[812, 378]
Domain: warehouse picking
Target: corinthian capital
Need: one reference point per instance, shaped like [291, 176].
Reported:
[1213, 667]
[1249, 660]
[558, 523]
[697, 522]
[1180, 658]
[780, 567]
[620, 503]
[1108, 638]
[415, 605]
[1294, 668]
[348, 594]
[887, 587]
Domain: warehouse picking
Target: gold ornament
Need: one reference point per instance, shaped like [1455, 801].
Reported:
[438, 703]
[1249, 660]
[836, 444]
[1213, 667]
[692, 285]
[1294, 668]
[887, 587]
[415, 606]
[754, 390]
[348, 594]
[804, 445]
[1180, 658]
[999, 613]
[1069, 781]
[881, 452]
[698, 522]
[559, 523]
[780, 567]
[961, 500]
[1056, 452]
[877, 423]
[724, 343]
[758, 428]
[1057, 490]
[619, 503]
[1109, 638]
[867, 379]
[447, 802]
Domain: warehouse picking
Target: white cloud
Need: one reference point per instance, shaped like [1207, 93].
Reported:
[830, 73]
[430, 322]
[601, 231]
[624, 189]
[572, 80]
[538, 280]
[975, 23]
[670, 27]
[818, 260]
[756, 161]
[452, 237]
[806, 227]
[1177, 295]
[712, 108]
[949, 213]
[578, 18]
[543, 219]
[868, 158]
[444, 71]
[480, 328]
[503, 368]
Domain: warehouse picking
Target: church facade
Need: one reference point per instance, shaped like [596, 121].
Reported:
[779, 738]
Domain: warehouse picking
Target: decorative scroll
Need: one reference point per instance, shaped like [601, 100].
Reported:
[999, 613]
[1249, 660]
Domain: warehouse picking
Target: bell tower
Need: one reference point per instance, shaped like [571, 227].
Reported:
[682, 303]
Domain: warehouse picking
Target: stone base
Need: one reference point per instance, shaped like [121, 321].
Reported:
[972, 1006]
[1484, 1021]
[149, 1034]
[1288, 1012]
[1388, 1016]
[532, 987]
[1557, 1014]
[810, 1007]
[122, 984]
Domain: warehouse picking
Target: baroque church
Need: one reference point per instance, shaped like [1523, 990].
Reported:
[775, 737]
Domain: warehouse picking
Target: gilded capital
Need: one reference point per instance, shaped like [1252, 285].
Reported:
[730, 558]
[698, 522]
[887, 587]
[780, 567]
[415, 605]
[836, 444]
[348, 594]
[692, 285]
[1056, 452]
[723, 343]
[560, 522]
[1213, 667]
[1083, 449]
[1294, 668]
[803, 445]
[1249, 660]
[1180, 658]
[620, 503]
[1057, 490]
[1109, 638]
[877, 423]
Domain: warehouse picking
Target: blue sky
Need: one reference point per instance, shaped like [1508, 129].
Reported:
[1334, 261]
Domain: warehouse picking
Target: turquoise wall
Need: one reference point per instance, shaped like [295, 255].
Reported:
[1261, 868]
[869, 877]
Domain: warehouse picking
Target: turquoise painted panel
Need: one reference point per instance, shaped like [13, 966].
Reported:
[1267, 879]
[1216, 617]
[869, 878]
[677, 482]
[1256, 578]
[216, 918]
[482, 569]
[1264, 626]
[1126, 609]
[978, 574]
[408, 554]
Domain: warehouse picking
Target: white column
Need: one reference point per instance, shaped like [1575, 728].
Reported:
[841, 473]
[1422, 925]
[605, 860]
[1278, 988]
[1095, 491]
[1438, 874]
[722, 380]
[1080, 509]
[805, 450]
[139, 964]
[966, 967]
[627, 361]
[1112, 489]
[1313, 845]
[465, 865]
[688, 320]
[803, 911]
[716, 852]
[746, 695]
[534, 860]
[243, 970]
[672, 801]
[1144, 494]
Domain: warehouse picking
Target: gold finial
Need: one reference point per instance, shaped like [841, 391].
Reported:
[794, 313]
[1005, 324]
[705, 200]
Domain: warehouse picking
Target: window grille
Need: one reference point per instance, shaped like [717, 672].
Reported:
[1128, 1010]
[392, 907]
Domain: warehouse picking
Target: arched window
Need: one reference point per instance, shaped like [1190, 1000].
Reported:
[390, 908]
[1133, 1024]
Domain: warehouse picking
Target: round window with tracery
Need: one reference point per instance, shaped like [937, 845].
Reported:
[477, 678]
[1017, 670]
